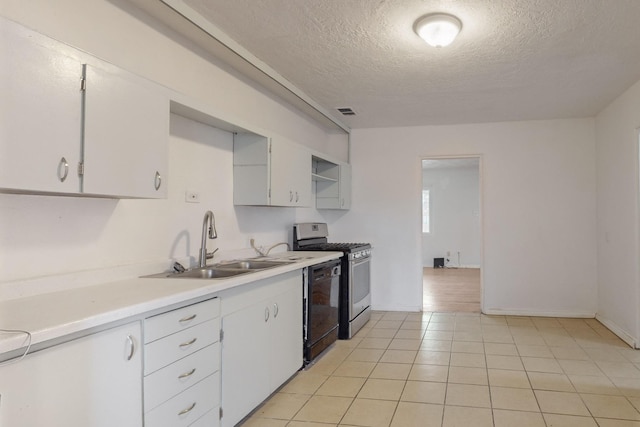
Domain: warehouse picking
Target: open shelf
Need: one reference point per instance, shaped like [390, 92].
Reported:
[322, 178]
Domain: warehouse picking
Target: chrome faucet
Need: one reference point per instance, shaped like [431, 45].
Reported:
[209, 222]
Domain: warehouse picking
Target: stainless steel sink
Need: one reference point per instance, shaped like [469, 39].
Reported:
[250, 264]
[200, 273]
[209, 273]
[223, 270]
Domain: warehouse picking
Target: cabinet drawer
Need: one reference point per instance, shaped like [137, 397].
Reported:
[171, 322]
[210, 419]
[181, 344]
[173, 379]
[185, 408]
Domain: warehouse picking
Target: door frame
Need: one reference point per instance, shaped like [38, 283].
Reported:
[480, 158]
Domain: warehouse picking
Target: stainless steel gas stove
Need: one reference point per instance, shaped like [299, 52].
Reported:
[355, 287]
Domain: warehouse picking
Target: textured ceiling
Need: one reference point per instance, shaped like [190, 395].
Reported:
[513, 60]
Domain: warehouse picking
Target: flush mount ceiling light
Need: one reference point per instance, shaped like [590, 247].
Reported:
[438, 29]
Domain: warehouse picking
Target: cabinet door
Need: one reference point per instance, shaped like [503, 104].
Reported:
[345, 186]
[126, 131]
[290, 172]
[301, 176]
[92, 381]
[286, 334]
[245, 359]
[281, 164]
[40, 113]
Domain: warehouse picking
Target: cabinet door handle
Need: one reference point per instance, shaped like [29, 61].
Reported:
[158, 181]
[275, 310]
[63, 169]
[187, 374]
[266, 314]
[132, 347]
[297, 198]
[187, 410]
[188, 343]
[188, 318]
[290, 196]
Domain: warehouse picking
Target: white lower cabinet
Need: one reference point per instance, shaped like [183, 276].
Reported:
[262, 341]
[187, 407]
[176, 371]
[182, 366]
[91, 381]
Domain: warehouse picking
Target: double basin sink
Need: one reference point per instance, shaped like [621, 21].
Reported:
[224, 270]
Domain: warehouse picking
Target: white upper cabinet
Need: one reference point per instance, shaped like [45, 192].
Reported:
[126, 130]
[333, 184]
[108, 139]
[270, 172]
[40, 114]
[345, 186]
[290, 174]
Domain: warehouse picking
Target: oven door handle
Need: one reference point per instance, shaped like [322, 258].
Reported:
[359, 261]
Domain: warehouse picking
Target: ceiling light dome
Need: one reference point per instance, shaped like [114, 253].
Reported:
[438, 29]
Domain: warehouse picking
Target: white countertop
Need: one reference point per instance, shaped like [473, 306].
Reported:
[54, 315]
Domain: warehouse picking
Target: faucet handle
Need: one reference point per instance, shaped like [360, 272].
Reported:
[210, 254]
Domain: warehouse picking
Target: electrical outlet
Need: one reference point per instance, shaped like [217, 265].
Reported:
[192, 197]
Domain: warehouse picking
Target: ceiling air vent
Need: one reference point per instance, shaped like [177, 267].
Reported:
[347, 111]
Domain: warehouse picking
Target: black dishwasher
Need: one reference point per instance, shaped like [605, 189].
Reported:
[321, 296]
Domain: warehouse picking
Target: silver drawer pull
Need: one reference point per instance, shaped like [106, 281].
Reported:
[63, 169]
[158, 181]
[266, 314]
[187, 410]
[187, 374]
[132, 347]
[186, 319]
[188, 343]
[275, 310]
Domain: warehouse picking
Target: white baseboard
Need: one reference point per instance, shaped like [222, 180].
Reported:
[539, 313]
[620, 332]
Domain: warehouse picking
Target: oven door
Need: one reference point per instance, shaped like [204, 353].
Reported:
[359, 286]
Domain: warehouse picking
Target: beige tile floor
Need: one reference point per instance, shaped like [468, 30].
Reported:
[465, 369]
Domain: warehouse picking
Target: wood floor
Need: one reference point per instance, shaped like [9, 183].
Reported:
[451, 290]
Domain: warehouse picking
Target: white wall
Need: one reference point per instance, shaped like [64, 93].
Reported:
[45, 235]
[538, 213]
[618, 253]
[455, 216]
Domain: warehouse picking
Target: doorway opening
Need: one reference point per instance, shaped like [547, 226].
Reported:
[451, 234]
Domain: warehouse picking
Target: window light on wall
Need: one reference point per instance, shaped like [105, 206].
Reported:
[426, 212]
